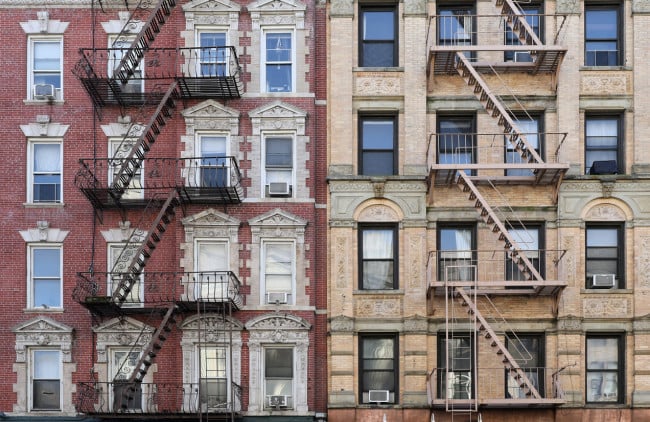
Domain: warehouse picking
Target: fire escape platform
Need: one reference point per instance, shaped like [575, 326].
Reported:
[544, 173]
[459, 404]
[501, 288]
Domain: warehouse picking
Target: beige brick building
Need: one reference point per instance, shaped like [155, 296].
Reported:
[489, 211]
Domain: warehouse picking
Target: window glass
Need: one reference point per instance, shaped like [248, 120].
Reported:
[455, 254]
[528, 241]
[46, 388]
[278, 266]
[213, 377]
[603, 256]
[378, 254]
[601, 144]
[46, 277]
[601, 36]
[528, 352]
[378, 35]
[46, 66]
[213, 60]
[456, 141]
[279, 61]
[377, 146]
[212, 264]
[125, 395]
[46, 175]
[529, 128]
[279, 165]
[214, 169]
[278, 376]
[378, 367]
[604, 369]
[532, 15]
[456, 363]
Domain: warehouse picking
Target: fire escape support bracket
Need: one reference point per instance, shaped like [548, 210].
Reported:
[509, 361]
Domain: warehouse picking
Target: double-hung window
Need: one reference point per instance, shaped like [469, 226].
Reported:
[378, 257]
[456, 366]
[378, 367]
[529, 240]
[533, 14]
[45, 275]
[278, 165]
[605, 368]
[529, 127]
[528, 352]
[604, 260]
[126, 395]
[214, 387]
[279, 53]
[378, 35]
[120, 256]
[455, 254]
[278, 377]
[211, 280]
[278, 270]
[119, 149]
[603, 35]
[45, 379]
[45, 68]
[119, 47]
[456, 141]
[456, 26]
[214, 171]
[377, 145]
[45, 163]
[213, 54]
[603, 144]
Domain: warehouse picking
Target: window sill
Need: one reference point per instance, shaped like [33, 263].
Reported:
[378, 292]
[378, 69]
[43, 102]
[606, 291]
[608, 68]
[43, 204]
[40, 310]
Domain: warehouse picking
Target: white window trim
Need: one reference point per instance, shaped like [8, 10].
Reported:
[30, 169]
[30, 66]
[30, 271]
[263, 61]
[197, 153]
[263, 290]
[198, 30]
[263, 372]
[267, 135]
[197, 379]
[32, 366]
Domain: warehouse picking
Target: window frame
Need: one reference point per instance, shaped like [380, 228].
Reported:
[31, 278]
[365, 44]
[115, 371]
[539, 262]
[619, 56]
[620, 141]
[264, 83]
[619, 370]
[220, 60]
[619, 247]
[393, 119]
[363, 391]
[394, 229]
[536, 374]
[471, 227]
[470, 10]
[510, 153]
[532, 11]
[31, 172]
[33, 379]
[443, 358]
[199, 350]
[32, 72]
[266, 168]
[135, 84]
[219, 162]
[218, 292]
[117, 155]
[135, 297]
[465, 119]
[265, 378]
[263, 273]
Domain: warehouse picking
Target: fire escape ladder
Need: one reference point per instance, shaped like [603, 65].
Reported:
[509, 362]
[133, 162]
[155, 20]
[149, 354]
[494, 107]
[491, 219]
[518, 24]
[144, 252]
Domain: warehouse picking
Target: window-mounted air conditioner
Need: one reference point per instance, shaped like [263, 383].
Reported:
[277, 401]
[279, 188]
[43, 91]
[378, 396]
[603, 280]
[277, 297]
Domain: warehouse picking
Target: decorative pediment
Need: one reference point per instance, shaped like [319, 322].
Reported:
[278, 116]
[123, 332]
[278, 217]
[211, 323]
[44, 25]
[272, 322]
[40, 325]
[43, 233]
[211, 217]
[126, 325]
[277, 6]
[123, 233]
[211, 6]
[43, 128]
[43, 331]
[210, 115]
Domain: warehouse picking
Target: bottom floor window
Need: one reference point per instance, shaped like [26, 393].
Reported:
[126, 395]
[46, 379]
[379, 368]
[278, 377]
[213, 383]
[604, 368]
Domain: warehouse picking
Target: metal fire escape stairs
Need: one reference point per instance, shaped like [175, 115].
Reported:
[517, 23]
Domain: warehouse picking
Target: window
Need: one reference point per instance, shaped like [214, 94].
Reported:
[456, 364]
[533, 14]
[379, 368]
[213, 380]
[378, 155]
[278, 61]
[529, 240]
[605, 366]
[46, 379]
[455, 257]
[278, 270]
[278, 163]
[118, 49]
[603, 45]
[45, 68]
[211, 282]
[213, 59]
[120, 255]
[528, 352]
[126, 396]
[456, 26]
[603, 144]
[278, 377]
[456, 140]
[378, 257]
[119, 150]
[45, 276]
[604, 259]
[45, 172]
[214, 169]
[378, 35]
[530, 128]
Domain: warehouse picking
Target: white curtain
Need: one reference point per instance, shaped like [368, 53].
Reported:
[47, 158]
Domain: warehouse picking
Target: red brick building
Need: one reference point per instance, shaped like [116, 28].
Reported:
[164, 204]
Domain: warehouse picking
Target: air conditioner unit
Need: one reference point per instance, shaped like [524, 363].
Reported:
[277, 401]
[277, 297]
[43, 91]
[378, 396]
[604, 167]
[279, 188]
[603, 280]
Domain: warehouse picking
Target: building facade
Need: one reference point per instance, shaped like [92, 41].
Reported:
[488, 192]
[165, 192]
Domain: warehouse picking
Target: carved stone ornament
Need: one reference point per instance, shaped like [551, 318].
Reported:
[342, 323]
[644, 263]
[211, 6]
[376, 83]
[211, 218]
[605, 307]
[567, 7]
[605, 84]
[570, 323]
[43, 233]
[341, 8]
[277, 12]
[416, 324]
[640, 6]
[278, 223]
[44, 129]
[378, 307]
[43, 331]
[278, 116]
[125, 332]
[43, 24]
[210, 115]
[378, 213]
[605, 212]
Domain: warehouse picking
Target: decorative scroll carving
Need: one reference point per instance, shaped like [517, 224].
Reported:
[378, 84]
[341, 261]
[605, 307]
[644, 263]
[605, 84]
[605, 212]
[378, 213]
[378, 307]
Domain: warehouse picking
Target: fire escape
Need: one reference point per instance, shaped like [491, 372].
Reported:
[149, 84]
[484, 50]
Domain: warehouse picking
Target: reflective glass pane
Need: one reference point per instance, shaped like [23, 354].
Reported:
[601, 24]
[378, 25]
[47, 262]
